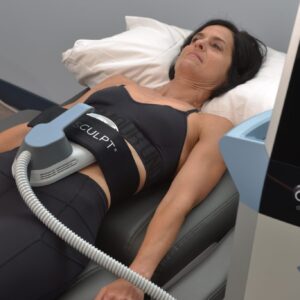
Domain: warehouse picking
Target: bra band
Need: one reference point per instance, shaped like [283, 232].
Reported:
[108, 147]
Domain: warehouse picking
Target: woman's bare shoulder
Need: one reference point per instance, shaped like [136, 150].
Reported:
[208, 118]
[213, 123]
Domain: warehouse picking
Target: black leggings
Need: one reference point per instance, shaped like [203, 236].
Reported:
[34, 262]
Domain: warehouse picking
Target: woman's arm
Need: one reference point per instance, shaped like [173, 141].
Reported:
[198, 176]
[13, 137]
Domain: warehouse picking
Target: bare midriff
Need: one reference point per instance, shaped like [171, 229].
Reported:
[95, 173]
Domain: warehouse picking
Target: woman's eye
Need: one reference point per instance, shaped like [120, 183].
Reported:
[217, 46]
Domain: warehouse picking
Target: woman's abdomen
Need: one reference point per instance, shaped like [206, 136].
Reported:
[95, 173]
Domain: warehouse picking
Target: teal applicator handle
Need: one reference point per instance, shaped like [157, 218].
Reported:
[47, 142]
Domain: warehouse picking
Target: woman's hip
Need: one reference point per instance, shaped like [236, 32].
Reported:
[34, 262]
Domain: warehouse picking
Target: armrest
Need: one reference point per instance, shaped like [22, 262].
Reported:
[30, 106]
[205, 279]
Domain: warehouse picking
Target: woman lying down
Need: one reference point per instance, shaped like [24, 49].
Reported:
[165, 136]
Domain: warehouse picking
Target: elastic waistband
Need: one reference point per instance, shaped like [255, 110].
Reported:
[98, 190]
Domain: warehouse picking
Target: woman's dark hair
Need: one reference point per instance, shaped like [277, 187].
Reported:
[247, 56]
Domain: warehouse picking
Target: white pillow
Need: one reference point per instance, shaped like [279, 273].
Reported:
[144, 53]
[254, 96]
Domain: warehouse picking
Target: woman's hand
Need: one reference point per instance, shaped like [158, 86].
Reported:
[120, 290]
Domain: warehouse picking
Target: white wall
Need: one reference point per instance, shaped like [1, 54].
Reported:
[34, 33]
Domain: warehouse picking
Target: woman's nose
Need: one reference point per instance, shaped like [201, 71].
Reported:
[201, 44]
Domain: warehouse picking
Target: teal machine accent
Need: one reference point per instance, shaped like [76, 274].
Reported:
[246, 157]
[249, 163]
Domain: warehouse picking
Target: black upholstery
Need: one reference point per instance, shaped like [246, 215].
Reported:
[124, 227]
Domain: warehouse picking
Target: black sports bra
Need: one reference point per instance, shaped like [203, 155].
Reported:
[157, 132]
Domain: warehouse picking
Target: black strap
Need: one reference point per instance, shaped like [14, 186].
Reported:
[148, 153]
[108, 147]
[47, 115]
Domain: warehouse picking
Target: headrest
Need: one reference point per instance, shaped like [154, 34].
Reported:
[144, 53]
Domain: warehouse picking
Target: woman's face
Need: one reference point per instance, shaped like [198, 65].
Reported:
[207, 59]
